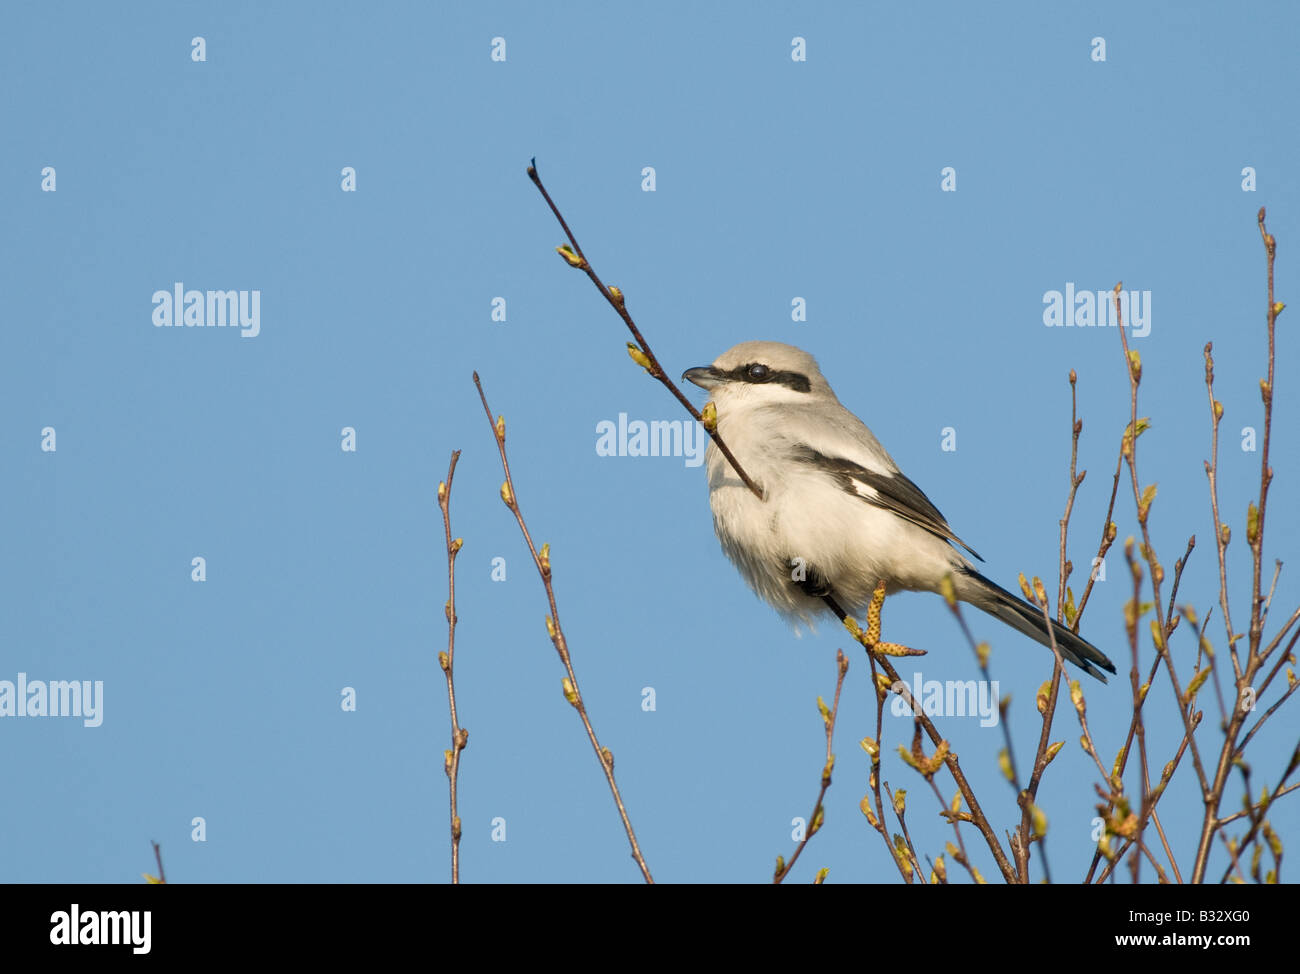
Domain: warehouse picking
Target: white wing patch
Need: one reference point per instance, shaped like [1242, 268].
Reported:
[864, 490]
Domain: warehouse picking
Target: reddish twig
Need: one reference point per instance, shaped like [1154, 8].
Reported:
[542, 561]
[641, 352]
[459, 735]
[819, 812]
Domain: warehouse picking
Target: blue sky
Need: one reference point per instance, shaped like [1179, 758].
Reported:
[774, 179]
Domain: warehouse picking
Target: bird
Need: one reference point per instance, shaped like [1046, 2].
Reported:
[837, 514]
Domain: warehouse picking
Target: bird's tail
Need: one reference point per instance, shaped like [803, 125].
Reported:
[1020, 615]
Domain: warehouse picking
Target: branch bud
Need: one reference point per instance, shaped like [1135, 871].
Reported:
[639, 357]
[1024, 588]
[865, 805]
[824, 710]
[1040, 593]
[1198, 681]
[709, 416]
[1043, 696]
[1144, 504]
[570, 257]
[900, 802]
[1039, 820]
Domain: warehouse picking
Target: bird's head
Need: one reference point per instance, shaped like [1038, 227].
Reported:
[756, 374]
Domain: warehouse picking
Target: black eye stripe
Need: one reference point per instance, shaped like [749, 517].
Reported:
[791, 380]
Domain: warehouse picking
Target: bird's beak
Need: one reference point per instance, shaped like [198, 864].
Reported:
[705, 376]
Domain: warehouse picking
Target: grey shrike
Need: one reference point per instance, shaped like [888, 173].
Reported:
[838, 515]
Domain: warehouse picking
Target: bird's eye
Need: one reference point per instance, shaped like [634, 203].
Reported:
[759, 372]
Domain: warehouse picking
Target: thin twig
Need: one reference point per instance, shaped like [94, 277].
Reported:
[898, 802]
[1222, 535]
[1241, 748]
[876, 818]
[1255, 539]
[447, 660]
[1205, 655]
[648, 360]
[542, 561]
[1029, 797]
[1108, 534]
[1162, 628]
[157, 855]
[1271, 798]
[1272, 588]
[1164, 623]
[1020, 843]
[953, 815]
[819, 811]
[870, 641]
[1156, 795]
[1109, 531]
[1256, 811]
[1076, 428]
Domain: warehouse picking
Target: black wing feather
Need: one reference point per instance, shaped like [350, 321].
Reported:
[894, 493]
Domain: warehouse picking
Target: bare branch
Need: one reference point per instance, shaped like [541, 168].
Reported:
[828, 718]
[459, 735]
[576, 258]
[542, 561]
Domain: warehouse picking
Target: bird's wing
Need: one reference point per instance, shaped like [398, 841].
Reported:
[886, 489]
